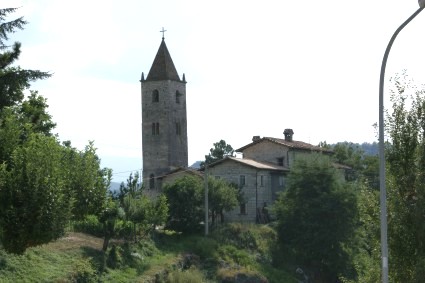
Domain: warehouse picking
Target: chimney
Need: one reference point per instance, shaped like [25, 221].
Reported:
[288, 134]
[256, 138]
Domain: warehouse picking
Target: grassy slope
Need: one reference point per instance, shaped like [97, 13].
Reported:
[231, 251]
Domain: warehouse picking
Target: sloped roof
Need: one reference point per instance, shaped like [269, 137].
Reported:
[163, 67]
[180, 170]
[252, 163]
[299, 145]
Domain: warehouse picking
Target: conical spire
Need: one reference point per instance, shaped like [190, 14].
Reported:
[163, 67]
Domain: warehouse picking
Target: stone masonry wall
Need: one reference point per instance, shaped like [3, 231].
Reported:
[166, 150]
[255, 194]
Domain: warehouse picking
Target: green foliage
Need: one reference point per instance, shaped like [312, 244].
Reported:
[88, 183]
[35, 203]
[109, 216]
[141, 211]
[222, 196]
[220, 150]
[132, 188]
[89, 225]
[186, 276]
[83, 272]
[157, 213]
[363, 167]
[185, 197]
[13, 79]
[406, 180]
[233, 255]
[317, 218]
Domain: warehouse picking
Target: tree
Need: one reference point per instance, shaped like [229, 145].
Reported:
[33, 111]
[405, 154]
[110, 214]
[13, 79]
[158, 212]
[363, 167]
[317, 218]
[220, 150]
[186, 198]
[35, 205]
[87, 181]
[222, 196]
[132, 188]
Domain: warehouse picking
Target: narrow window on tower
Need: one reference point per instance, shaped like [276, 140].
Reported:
[178, 94]
[155, 129]
[178, 129]
[152, 181]
[155, 96]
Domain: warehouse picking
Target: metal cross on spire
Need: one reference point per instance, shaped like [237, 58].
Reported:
[163, 31]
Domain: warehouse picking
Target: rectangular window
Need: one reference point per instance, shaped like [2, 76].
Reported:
[281, 181]
[241, 180]
[155, 129]
[242, 208]
[262, 181]
[280, 161]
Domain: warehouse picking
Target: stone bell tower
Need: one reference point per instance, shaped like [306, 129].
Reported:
[164, 119]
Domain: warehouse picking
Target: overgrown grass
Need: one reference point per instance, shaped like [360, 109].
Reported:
[233, 251]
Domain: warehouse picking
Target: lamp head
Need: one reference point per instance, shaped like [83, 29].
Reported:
[421, 3]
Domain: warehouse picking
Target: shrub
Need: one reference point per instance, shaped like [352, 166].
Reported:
[232, 254]
[205, 247]
[89, 225]
[84, 272]
[187, 276]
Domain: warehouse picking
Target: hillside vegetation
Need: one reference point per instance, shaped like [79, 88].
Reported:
[233, 253]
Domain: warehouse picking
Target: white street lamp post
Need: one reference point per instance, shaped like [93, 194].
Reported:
[383, 192]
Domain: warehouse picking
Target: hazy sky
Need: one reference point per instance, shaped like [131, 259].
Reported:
[252, 67]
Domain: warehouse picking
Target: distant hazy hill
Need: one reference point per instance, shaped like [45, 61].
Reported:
[115, 187]
[368, 148]
[196, 165]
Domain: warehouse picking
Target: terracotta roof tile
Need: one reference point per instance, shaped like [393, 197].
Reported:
[291, 144]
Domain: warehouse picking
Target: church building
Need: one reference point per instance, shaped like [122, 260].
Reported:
[164, 119]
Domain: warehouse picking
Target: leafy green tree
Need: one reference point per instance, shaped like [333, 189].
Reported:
[367, 259]
[109, 216]
[220, 150]
[157, 213]
[132, 188]
[10, 133]
[13, 79]
[222, 196]
[363, 167]
[87, 181]
[33, 112]
[34, 202]
[185, 197]
[317, 218]
[405, 154]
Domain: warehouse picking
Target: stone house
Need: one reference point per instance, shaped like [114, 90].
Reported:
[261, 173]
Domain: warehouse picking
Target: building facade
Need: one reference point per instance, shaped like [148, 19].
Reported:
[164, 119]
[261, 173]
